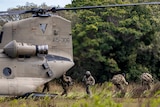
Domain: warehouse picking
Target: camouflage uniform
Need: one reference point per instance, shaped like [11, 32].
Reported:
[88, 80]
[119, 81]
[66, 81]
[146, 80]
[46, 87]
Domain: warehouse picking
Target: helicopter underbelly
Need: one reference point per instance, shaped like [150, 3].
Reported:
[19, 86]
[25, 80]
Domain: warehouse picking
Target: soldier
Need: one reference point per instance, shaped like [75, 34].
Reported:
[119, 81]
[66, 81]
[146, 80]
[46, 87]
[88, 80]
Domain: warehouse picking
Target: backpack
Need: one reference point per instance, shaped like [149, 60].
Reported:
[117, 79]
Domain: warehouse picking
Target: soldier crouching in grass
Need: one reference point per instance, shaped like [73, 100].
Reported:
[119, 81]
[142, 91]
[146, 80]
[65, 81]
[88, 80]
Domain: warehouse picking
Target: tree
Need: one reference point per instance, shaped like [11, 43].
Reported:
[108, 41]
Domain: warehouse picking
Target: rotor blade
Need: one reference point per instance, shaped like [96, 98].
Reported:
[41, 11]
[105, 6]
[17, 12]
[6, 13]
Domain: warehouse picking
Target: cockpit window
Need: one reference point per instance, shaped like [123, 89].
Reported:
[1, 35]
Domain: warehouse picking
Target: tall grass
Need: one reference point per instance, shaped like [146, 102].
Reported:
[102, 96]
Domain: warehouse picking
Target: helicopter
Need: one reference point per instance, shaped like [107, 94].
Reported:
[38, 49]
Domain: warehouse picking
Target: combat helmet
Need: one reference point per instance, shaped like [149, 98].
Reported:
[88, 73]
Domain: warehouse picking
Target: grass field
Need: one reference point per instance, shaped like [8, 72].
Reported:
[102, 97]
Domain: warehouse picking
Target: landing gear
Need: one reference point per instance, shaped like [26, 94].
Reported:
[36, 95]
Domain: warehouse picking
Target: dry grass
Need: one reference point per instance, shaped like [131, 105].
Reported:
[155, 92]
[101, 93]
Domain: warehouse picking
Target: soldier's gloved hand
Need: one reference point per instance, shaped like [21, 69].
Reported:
[126, 83]
[88, 83]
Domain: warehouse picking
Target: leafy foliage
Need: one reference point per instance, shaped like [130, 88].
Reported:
[111, 40]
[116, 38]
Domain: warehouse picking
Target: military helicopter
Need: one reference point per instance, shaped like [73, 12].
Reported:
[38, 49]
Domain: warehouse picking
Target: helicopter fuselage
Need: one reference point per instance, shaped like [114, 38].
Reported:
[34, 51]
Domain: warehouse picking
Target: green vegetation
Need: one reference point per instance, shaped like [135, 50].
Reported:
[102, 97]
[116, 39]
[111, 40]
[106, 41]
